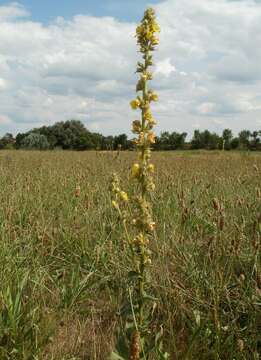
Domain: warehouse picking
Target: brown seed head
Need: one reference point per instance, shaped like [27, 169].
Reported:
[77, 191]
[216, 204]
[135, 346]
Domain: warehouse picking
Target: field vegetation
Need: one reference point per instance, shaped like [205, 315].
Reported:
[63, 264]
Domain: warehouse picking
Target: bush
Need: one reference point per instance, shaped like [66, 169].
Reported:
[35, 141]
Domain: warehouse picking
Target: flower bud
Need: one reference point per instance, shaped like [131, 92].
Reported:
[114, 204]
[135, 170]
[136, 126]
[151, 168]
[124, 196]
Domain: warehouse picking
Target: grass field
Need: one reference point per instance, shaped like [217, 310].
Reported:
[63, 256]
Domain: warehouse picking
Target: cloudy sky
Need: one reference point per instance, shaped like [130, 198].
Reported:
[69, 59]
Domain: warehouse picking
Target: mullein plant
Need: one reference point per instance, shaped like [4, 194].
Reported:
[136, 337]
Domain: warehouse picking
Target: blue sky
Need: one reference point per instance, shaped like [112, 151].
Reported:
[76, 59]
[47, 10]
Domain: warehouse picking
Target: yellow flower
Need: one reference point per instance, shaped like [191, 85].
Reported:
[141, 137]
[114, 204]
[154, 97]
[151, 123]
[151, 137]
[151, 168]
[135, 104]
[139, 239]
[155, 27]
[149, 35]
[124, 196]
[148, 115]
[154, 41]
[151, 186]
[135, 170]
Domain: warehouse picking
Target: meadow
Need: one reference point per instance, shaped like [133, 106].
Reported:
[63, 254]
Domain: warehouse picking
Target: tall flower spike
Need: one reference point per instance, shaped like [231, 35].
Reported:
[142, 169]
[141, 341]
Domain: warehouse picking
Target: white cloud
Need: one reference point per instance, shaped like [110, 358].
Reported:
[13, 10]
[3, 84]
[206, 108]
[4, 120]
[207, 68]
[165, 67]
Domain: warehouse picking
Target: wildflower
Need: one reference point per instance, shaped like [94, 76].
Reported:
[135, 104]
[151, 168]
[154, 96]
[124, 196]
[135, 170]
[149, 74]
[151, 137]
[155, 27]
[141, 138]
[142, 170]
[140, 239]
[114, 204]
[149, 118]
[154, 40]
[151, 186]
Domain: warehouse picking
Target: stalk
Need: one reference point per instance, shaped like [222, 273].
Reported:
[142, 170]
[140, 222]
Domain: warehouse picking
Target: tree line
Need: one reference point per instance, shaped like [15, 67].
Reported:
[72, 135]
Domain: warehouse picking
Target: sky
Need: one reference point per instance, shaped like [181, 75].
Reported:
[76, 59]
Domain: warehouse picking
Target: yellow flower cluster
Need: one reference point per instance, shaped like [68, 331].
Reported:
[119, 196]
[146, 31]
[142, 170]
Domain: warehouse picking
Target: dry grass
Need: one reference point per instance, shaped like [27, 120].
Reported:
[62, 260]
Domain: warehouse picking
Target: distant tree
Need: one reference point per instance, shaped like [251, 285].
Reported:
[177, 140]
[255, 142]
[72, 134]
[215, 142]
[7, 141]
[35, 141]
[205, 140]
[244, 137]
[234, 143]
[107, 142]
[197, 141]
[163, 141]
[120, 141]
[227, 136]
[19, 139]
